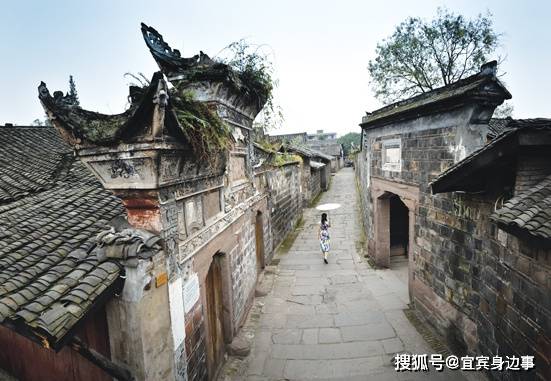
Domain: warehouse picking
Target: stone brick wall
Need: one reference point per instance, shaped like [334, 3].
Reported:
[531, 169]
[514, 312]
[285, 199]
[195, 346]
[200, 230]
[268, 234]
[315, 183]
[484, 290]
[424, 155]
[243, 267]
[306, 182]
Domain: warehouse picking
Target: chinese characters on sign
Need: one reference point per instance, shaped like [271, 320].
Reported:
[420, 363]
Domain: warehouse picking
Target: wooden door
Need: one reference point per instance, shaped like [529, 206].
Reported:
[259, 232]
[213, 285]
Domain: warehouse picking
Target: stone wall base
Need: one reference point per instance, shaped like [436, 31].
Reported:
[460, 331]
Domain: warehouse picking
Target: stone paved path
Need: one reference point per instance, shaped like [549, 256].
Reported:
[341, 321]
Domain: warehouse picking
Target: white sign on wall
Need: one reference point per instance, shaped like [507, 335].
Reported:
[176, 302]
[191, 292]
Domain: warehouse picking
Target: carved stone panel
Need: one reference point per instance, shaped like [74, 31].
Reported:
[238, 170]
[211, 204]
[193, 212]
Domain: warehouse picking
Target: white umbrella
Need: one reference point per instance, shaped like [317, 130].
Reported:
[327, 207]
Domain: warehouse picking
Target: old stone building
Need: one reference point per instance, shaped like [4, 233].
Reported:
[316, 171]
[327, 143]
[163, 295]
[320, 135]
[322, 142]
[331, 148]
[466, 199]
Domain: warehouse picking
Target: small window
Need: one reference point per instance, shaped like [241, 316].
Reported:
[392, 155]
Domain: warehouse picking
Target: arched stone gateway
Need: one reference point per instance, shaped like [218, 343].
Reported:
[394, 222]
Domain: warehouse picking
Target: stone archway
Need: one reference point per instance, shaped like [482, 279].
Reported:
[383, 192]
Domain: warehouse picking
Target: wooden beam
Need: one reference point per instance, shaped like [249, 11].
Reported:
[116, 371]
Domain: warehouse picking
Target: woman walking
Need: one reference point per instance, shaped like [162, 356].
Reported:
[324, 236]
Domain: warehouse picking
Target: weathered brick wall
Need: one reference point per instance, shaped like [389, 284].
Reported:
[531, 169]
[314, 183]
[305, 181]
[243, 267]
[285, 199]
[261, 184]
[484, 290]
[425, 154]
[497, 280]
[195, 346]
[267, 234]
[362, 167]
[514, 313]
[236, 240]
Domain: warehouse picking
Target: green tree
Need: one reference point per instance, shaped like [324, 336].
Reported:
[256, 67]
[423, 55]
[504, 111]
[73, 96]
[42, 123]
[350, 142]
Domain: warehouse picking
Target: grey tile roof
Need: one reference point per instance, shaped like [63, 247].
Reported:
[529, 211]
[49, 275]
[498, 125]
[31, 158]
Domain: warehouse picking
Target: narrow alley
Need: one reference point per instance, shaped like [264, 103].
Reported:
[341, 321]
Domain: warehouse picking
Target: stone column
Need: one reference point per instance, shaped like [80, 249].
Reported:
[139, 322]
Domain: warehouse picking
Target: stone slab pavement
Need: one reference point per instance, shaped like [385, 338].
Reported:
[336, 321]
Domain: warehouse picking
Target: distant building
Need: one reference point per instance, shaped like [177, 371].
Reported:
[320, 135]
[327, 143]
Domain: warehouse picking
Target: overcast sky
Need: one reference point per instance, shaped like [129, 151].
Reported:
[320, 49]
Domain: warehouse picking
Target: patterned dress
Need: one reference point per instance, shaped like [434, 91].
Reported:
[324, 237]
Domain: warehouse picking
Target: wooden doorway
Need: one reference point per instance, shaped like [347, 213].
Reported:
[259, 233]
[399, 227]
[213, 283]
